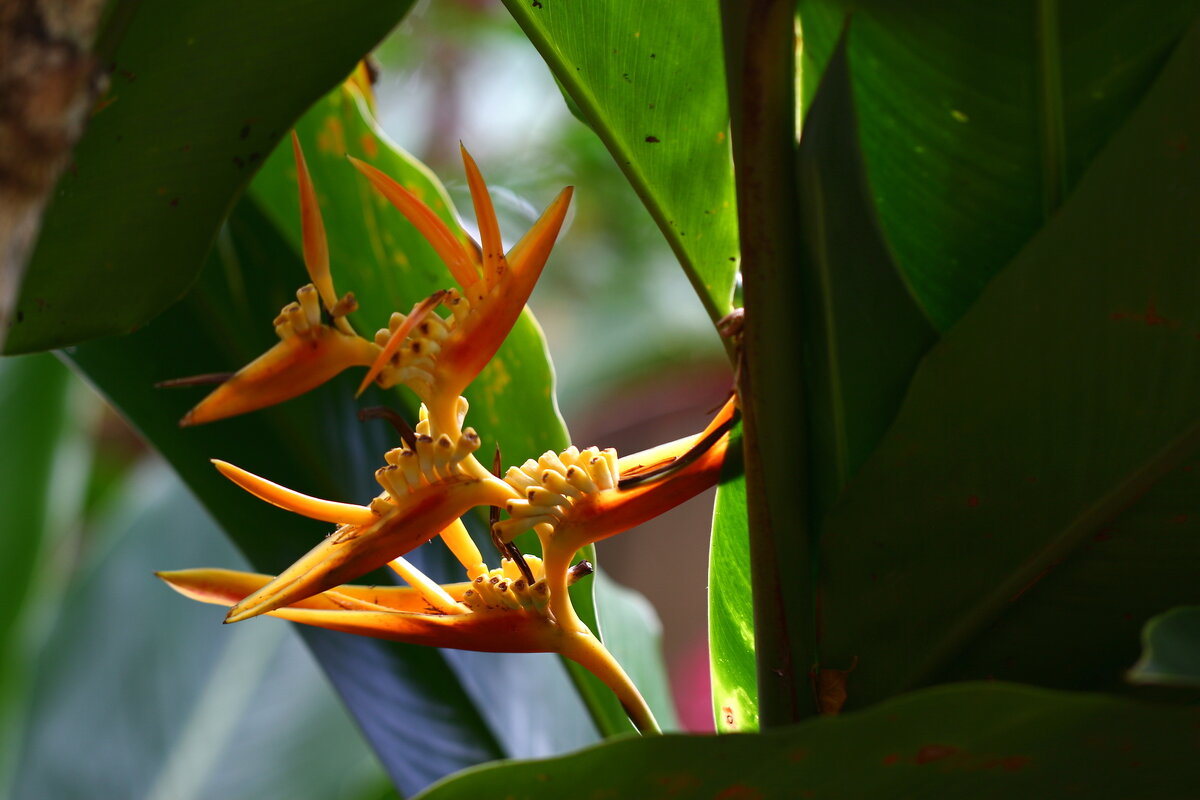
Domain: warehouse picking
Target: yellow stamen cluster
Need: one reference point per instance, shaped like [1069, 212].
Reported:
[552, 483]
[429, 460]
[414, 363]
[506, 589]
[303, 317]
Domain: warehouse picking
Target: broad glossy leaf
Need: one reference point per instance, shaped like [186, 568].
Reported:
[1170, 649]
[648, 79]
[972, 740]
[164, 702]
[731, 605]
[200, 93]
[1029, 508]
[978, 119]
[865, 331]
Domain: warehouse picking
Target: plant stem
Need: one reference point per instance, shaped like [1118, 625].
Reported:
[1054, 161]
[760, 70]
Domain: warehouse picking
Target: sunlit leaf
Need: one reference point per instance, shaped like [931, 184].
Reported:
[648, 79]
[731, 606]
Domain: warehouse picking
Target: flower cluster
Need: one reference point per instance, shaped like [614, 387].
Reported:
[568, 499]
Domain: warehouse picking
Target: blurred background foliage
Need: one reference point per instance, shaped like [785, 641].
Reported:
[114, 688]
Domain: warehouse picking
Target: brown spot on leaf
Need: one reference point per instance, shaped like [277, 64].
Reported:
[652, 139]
[1015, 763]
[935, 752]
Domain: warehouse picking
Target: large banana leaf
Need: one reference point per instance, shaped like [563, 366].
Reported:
[1033, 504]
[649, 80]
[978, 119]
[972, 740]
[195, 103]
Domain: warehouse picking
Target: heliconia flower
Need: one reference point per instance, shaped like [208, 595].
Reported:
[499, 610]
[426, 488]
[576, 498]
[570, 499]
[439, 357]
[309, 352]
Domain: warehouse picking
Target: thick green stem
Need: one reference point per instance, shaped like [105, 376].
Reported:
[760, 63]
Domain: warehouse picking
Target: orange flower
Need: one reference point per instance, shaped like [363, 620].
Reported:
[500, 610]
[426, 488]
[309, 352]
[437, 357]
[570, 499]
[576, 498]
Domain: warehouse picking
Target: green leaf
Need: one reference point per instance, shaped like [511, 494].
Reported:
[196, 101]
[865, 331]
[972, 740]
[166, 702]
[1035, 500]
[977, 119]
[730, 602]
[33, 426]
[1170, 649]
[649, 82]
[633, 634]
